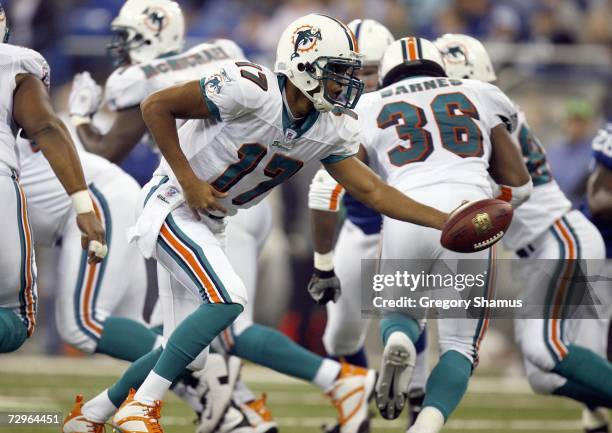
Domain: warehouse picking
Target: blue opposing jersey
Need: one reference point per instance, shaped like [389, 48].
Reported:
[602, 153]
[368, 220]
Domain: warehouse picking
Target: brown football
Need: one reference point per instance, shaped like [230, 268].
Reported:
[476, 225]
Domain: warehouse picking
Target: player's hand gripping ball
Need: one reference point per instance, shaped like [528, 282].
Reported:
[476, 225]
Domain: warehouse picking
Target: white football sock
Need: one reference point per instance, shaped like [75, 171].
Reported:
[430, 420]
[99, 408]
[153, 388]
[327, 374]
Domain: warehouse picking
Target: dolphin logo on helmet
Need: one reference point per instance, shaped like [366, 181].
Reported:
[155, 19]
[305, 39]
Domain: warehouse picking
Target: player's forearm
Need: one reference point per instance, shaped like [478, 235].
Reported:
[391, 202]
[323, 227]
[54, 140]
[162, 126]
[93, 141]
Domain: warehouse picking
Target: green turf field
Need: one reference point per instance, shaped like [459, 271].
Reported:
[492, 405]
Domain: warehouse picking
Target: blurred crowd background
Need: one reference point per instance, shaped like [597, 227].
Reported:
[553, 57]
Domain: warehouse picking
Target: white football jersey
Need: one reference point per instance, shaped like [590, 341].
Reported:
[424, 131]
[547, 202]
[48, 202]
[252, 145]
[128, 86]
[15, 60]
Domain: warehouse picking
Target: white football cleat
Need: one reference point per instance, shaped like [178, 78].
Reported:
[234, 421]
[350, 394]
[136, 417]
[259, 416]
[396, 371]
[217, 381]
[76, 422]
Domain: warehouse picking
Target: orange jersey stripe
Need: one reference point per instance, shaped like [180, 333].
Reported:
[29, 295]
[412, 54]
[89, 283]
[506, 194]
[195, 266]
[333, 202]
[555, 332]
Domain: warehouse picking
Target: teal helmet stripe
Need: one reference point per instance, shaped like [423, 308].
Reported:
[419, 48]
[358, 29]
[346, 31]
[404, 50]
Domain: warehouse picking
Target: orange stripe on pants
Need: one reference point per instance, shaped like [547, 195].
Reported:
[28, 291]
[193, 264]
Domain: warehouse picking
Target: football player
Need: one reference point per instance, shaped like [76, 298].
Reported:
[545, 227]
[148, 39]
[27, 110]
[90, 295]
[436, 139]
[359, 238]
[253, 130]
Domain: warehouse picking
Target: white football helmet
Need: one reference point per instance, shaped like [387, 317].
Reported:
[373, 39]
[316, 49]
[465, 57]
[147, 29]
[4, 30]
[408, 57]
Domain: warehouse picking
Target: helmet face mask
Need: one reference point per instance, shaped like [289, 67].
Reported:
[123, 41]
[337, 78]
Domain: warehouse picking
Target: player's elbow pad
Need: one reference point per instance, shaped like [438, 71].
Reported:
[515, 195]
[325, 193]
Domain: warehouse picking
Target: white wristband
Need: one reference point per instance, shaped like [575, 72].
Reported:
[79, 120]
[324, 262]
[82, 202]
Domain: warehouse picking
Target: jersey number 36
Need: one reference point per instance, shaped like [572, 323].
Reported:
[454, 114]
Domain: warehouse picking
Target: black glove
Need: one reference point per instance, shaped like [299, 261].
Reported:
[324, 286]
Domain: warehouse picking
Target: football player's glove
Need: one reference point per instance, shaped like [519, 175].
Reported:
[324, 286]
[85, 96]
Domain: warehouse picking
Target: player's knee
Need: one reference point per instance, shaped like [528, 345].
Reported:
[465, 348]
[344, 341]
[200, 361]
[241, 324]
[78, 339]
[13, 332]
[544, 383]
[535, 351]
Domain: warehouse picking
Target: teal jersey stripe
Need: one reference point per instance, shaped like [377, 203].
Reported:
[548, 304]
[108, 226]
[77, 297]
[152, 191]
[23, 264]
[168, 249]
[574, 237]
[212, 107]
[201, 257]
[332, 159]
[575, 273]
